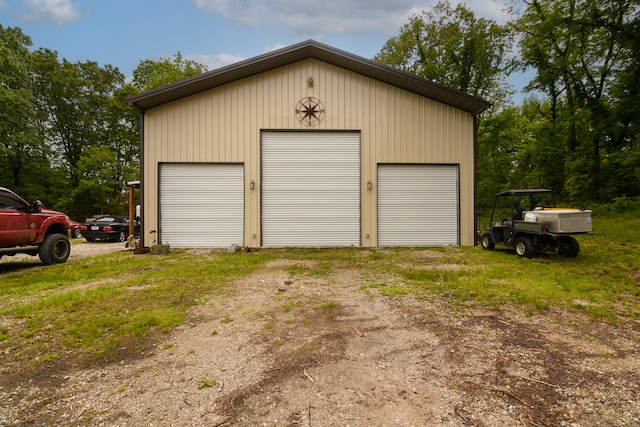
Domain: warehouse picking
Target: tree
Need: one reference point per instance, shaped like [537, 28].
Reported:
[151, 74]
[453, 47]
[81, 109]
[579, 52]
[20, 146]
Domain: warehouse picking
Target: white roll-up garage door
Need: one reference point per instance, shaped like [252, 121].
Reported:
[310, 189]
[201, 205]
[418, 205]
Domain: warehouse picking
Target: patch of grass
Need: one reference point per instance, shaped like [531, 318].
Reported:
[328, 308]
[288, 306]
[604, 275]
[319, 269]
[326, 305]
[390, 289]
[226, 319]
[95, 306]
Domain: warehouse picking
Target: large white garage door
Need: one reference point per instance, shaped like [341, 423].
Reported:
[201, 205]
[418, 205]
[310, 189]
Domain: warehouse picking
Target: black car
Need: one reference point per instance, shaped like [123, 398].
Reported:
[108, 227]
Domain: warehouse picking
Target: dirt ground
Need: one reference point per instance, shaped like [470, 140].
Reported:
[323, 351]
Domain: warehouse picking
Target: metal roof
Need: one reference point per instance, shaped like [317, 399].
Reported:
[299, 52]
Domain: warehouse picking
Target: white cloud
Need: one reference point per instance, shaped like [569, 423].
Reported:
[214, 61]
[495, 10]
[313, 19]
[57, 12]
[274, 47]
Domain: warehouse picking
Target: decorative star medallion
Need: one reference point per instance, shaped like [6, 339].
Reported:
[310, 111]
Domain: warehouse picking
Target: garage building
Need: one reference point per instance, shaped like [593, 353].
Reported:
[307, 146]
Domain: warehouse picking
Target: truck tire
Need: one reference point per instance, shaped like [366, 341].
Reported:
[486, 242]
[54, 249]
[524, 247]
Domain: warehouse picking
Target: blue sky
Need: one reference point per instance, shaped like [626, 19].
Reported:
[213, 32]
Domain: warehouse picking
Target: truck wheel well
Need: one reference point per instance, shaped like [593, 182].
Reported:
[56, 228]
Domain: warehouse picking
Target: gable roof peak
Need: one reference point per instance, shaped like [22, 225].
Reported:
[298, 52]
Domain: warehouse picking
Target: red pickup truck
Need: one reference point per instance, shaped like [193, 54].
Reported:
[26, 228]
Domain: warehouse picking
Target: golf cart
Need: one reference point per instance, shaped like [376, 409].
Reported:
[529, 222]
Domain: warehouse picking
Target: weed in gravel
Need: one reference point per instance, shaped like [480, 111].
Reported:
[205, 382]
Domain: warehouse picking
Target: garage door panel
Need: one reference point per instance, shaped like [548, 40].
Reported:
[310, 189]
[201, 205]
[418, 205]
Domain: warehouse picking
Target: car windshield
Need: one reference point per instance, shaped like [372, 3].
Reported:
[106, 219]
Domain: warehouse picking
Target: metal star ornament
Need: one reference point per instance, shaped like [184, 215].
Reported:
[310, 111]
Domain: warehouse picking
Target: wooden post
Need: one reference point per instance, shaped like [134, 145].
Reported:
[132, 208]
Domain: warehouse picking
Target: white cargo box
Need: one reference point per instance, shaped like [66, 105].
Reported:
[562, 220]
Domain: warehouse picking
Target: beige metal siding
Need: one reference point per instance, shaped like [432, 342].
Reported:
[223, 125]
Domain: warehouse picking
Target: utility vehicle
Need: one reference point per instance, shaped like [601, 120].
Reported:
[529, 222]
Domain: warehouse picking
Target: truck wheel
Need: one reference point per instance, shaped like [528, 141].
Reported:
[54, 249]
[569, 247]
[524, 247]
[486, 242]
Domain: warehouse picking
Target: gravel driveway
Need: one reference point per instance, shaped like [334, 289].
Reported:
[80, 248]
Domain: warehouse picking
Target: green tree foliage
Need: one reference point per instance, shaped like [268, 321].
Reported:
[21, 149]
[453, 47]
[151, 74]
[81, 109]
[66, 134]
[579, 134]
[585, 53]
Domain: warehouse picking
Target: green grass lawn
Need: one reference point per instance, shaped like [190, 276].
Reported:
[92, 308]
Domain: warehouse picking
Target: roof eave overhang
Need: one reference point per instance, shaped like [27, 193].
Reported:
[299, 52]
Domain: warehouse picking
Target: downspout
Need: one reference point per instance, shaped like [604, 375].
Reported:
[475, 181]
[143, 226]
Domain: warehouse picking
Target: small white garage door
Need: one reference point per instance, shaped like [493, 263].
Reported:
[201, 205]
[418, 205]
[310, 189]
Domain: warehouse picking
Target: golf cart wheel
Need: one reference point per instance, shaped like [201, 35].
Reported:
[524, 247]
[486, 242]
[570, 248]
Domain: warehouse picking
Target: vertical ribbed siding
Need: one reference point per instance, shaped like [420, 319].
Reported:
[310, 189]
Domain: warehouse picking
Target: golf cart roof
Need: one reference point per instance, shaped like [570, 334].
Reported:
[530, 192]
